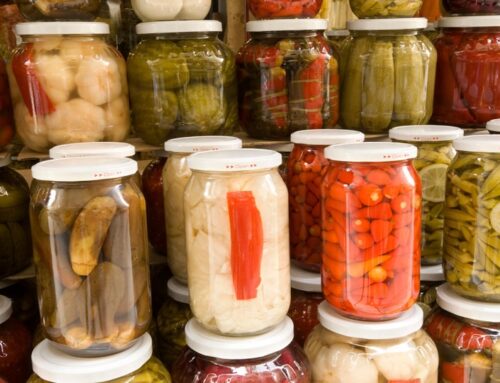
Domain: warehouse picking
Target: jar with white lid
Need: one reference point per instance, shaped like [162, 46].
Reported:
[431, 277]
[137, 364]
[270, 357]
[238, 252]
[435, 154]
[68, 85]
[467, 335]
[161, 10]
[176, 175]
[88, 220]
[388, 70]
[493, 126]
[472, 218]
[344, 350]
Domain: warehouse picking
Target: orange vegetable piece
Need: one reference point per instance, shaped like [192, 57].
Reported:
[378, 177]
[363, 240]
[370, 195]
[380, 229]
[346, 176]
[358, 269]
[391, 191]
[338, 192]
[333, 251]
[360, 225]
[330, 236]
[401, 203]
[401, 220]
[378, 274]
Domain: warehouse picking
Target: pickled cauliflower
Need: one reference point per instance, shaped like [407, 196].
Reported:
[159, 10]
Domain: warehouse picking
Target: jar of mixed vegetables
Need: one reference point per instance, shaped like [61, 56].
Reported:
[435, 154]
[176, 175]
[43, 10]
[6, 117]
[306, 167]
[467, 335]
[471, 7]
[371, 230]
[284, 9]
[287, 78]
[377, 9]
[182, 81]
[161, 10]
[493, 126]
[472, 219]
[270, 357]
[431, 277]
[468, 85]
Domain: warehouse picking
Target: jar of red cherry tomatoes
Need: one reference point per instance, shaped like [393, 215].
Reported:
[467, 81]
[306, 168]
[284, 9]
[371, 230]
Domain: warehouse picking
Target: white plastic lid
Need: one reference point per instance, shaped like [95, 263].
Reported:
[305, 281]
[387, 24]
[432, 273]
[5, 309]
[235, 160]
[408, 323]
[338, 33]
[469, 22]
[177, 291]
[450, 301]
[371, 152]
[493, 125]
[202, 144]
[93, 149]
[287, 25]
[62, 28]
[213, 345]
[425, 133]
[483, 143]
[188, 26]
[327, 137]
[83, 169]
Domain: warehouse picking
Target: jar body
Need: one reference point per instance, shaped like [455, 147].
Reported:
[400, 66]
[6, 116]
[182, 86]
[471, 226]
[92, 264]
[283, 9]
[365, 10]
[467, 88]
[68, 89]
[176, 10]
[238, 250]
[40, 10]
[428, 296]
[15, 364]
[288, 81]
[304, 313]
[371, 238]
[471, 7]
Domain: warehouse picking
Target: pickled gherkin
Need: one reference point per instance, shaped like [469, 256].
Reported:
[385, 8]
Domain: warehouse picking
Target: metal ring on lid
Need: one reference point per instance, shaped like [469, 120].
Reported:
[338, 33]
[408, 323]
[235, 160]
[396, 24]
[432, 273]
[469, 22]
[177, 291]
[305, 280]
[187, 26]
[5, 309]
[93, 149]
[213, 345]
[287, 25]
[425, 133]
[371, 152]
[61, 28]
[484, 143]
[53, 365]
[326, 137]
[202, 144]
[493, 125]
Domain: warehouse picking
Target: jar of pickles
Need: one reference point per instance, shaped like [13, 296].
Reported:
[344, 350]
[238, 252]
[431, 277]
[284, 9]
[371, 230]
[340, 13]
[270, 357]
[468, 87]
[68, 85]
[471, 7]
[435, 154]
[306, 167]
[388, 70]
[88, 220]
[43, 10]
[176, 175]
[376, 9]
[288, 79]
[182, 81]
[6, 117]
[472, 218]
[160, 10]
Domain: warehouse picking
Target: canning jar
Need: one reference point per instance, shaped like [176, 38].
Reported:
[472, 223]
[467, 335]
[388, 70]
[340, 13]
[160, 10]
[43, 10]
[287, 78]
[471, 7]
[493, 126]
[6, 116]
[176, 175]
[371, 229]
[306, 167]
[365, 9]
[431, 277]
[238, 251]
[344, 350]
[182, 83]
[435, 154]
[270, 357]
[467, 87]
[284, 149]
[285, 9]
[68, 85]
[88, 220]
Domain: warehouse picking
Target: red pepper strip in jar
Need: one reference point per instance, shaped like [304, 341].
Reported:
[270, 9]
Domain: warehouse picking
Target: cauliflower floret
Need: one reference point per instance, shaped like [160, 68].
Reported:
[98, 80]
[395, 359]
[49, 43]
[155, 10]
[31, 129]
[117, 120]
[194, 10]
[56, 78]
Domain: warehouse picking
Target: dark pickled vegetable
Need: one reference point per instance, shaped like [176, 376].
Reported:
[40, 10]
[304, 313]
[472, 7]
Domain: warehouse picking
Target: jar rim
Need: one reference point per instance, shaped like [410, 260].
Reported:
[483, 143]
[425, 133]
[177, 291]
[47, 28]
[202, 144]
[305, 280]
[326, 137]
[371, 152]
[282, 25]
[338, 33]
[93, 149]
[469, 22]
[236, 160]
[395, 24]
[181, 26]
[432, 273]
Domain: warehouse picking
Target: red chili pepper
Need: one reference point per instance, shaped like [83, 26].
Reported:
[401, 203]
[380, 229]
[452, 372]
[378, 177]
[363, 240]
[370, 195]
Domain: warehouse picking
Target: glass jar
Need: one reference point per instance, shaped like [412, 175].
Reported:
[270, 357]
[435, 154]
[472, 222]
[306, 167]
[136, 364]
[176, 175]
[182, 84]
[371, 230]
[339, 14]
[88, 220]
[15, 364]
[366, 9]
[431, 277]
[43, 10]
[471, 7]
[284, 149]
[345, 351]
[161, 10]
[468, 87]
[493, 126]
[306, 297]
[467, 335]
[284, 9]
[68, 85]
[431, 32]
[6, 117]
[431, 10]
[128, 38]
[287, 78]
[238, 252]
[388, 70]
[336, 39]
